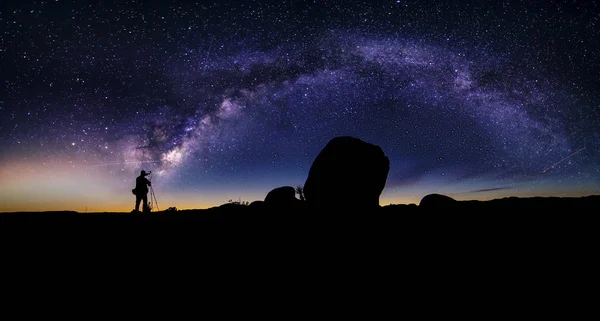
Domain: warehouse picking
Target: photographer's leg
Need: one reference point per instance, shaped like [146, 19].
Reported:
[145, 200]
[137, 203]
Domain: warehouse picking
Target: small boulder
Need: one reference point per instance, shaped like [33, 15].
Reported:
[283, 197]
[437, 201]
[256, 205]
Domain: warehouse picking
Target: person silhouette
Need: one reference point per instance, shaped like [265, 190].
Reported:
[141, 191]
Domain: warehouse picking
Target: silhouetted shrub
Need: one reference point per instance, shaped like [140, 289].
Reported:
[300, 192]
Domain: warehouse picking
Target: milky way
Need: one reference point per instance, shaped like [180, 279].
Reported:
[462, 99]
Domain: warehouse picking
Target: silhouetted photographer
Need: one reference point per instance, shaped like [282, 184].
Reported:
[141, 191]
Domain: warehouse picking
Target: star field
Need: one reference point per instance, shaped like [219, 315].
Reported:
[227, 100]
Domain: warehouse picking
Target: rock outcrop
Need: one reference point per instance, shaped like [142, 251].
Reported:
[283, 197]
[437, 201]
[348, 173]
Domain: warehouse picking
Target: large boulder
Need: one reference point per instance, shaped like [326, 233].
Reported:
[348, 173]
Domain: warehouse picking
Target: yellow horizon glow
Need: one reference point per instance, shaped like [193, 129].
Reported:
[63, 186]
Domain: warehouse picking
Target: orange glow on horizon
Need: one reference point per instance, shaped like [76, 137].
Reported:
[64, 186]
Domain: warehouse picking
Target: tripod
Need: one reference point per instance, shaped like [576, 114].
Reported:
[152, 200]
[152, 197]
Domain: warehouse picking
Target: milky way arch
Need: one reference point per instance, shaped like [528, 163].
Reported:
[421, 100]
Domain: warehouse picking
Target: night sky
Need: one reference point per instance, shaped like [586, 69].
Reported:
[228, 100]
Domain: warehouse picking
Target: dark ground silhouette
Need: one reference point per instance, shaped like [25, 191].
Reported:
[440, 256]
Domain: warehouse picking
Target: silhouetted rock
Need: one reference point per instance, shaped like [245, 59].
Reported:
[283, 197]
[348, 173]
[437, 201]
[257, 205]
